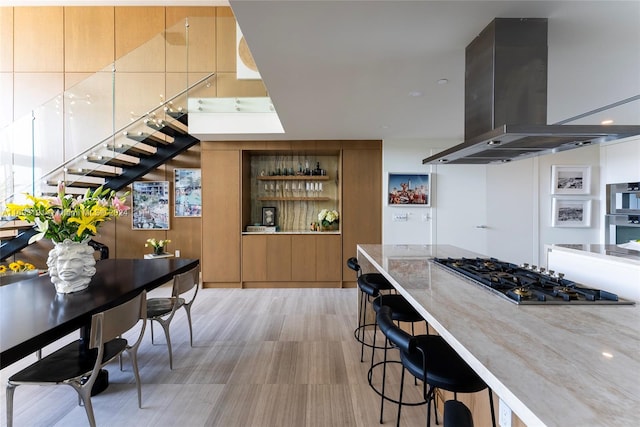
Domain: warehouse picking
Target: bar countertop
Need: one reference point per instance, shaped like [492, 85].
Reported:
[558, 365]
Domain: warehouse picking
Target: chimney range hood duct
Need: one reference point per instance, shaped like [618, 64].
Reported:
[506, 100]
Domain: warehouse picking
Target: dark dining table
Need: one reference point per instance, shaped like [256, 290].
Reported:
[33, 315]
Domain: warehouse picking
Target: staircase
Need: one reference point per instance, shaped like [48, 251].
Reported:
[114, 164]
[130, 145]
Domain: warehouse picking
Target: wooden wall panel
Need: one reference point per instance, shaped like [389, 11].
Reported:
[38, 39]
[34, 89]
[139, 47]
[6, 100]
[186, 232]
[88, 38]
[73, 79]
[221, 215]
[201, 35]
[6, 39]
[229, 86]
[226, 33]
[361, 216]
[134, 26]
[175, 14]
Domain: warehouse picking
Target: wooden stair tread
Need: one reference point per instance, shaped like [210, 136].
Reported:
[111, 161]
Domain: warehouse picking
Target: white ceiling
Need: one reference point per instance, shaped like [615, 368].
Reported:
[346, 69]
[340, 69]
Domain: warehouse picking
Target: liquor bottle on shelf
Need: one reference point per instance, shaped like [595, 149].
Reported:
[317, 171]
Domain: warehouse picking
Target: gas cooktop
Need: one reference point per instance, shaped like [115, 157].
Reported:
[527, 284]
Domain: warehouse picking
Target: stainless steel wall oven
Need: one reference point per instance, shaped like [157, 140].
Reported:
[623, 213]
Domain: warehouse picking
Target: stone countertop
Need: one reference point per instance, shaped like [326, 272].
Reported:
[617, 252]
[555, 365]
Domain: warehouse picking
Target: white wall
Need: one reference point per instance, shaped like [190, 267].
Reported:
[589, 156]
[512, 200]
[405, 156]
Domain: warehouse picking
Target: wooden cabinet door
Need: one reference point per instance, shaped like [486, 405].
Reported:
[303, 258]
[254, 258]
[361, 220]
[328, 258]
[220, 215]
[278, 258]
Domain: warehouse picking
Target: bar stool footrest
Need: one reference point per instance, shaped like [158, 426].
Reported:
[356, 334]
[379, 392]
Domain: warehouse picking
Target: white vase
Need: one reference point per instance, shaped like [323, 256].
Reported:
[71, 266]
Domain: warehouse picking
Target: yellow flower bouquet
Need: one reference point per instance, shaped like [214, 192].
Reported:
[17, 266]
[157, 245]
[67, 217]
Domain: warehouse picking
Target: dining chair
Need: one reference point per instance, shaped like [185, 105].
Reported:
[162, 310]
[78, 364]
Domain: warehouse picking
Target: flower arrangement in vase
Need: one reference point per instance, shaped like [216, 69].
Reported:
[69, 222]
[17, 266]
[328, 219]
[157, 245]
[16, 271]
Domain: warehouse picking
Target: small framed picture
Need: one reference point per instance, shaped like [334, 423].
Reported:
[150, 201]
[188, 192]
[269, 216]
[571, 213]
[570, 179]
[409, 189]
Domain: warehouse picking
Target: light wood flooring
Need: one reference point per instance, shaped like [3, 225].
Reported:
[273, 357]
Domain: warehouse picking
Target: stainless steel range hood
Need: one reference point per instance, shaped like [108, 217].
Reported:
[506, 100]
[515, 142]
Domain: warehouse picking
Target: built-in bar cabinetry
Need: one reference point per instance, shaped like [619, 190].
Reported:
[241, 178]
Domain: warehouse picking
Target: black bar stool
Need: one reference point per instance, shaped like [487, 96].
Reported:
[456, 414]
[401, 311]
[430, 359]
[369, 285]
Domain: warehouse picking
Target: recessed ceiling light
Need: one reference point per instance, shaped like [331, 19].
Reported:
[443, 81]
[606, 122]
[415, 93]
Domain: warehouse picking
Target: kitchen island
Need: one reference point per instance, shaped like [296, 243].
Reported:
[558, 365]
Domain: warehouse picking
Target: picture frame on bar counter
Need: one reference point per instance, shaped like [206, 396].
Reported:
[571, 213]
[268, 216]
[570, 179]
[409, 189]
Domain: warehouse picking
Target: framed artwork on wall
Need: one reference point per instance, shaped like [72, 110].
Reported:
[188, 192]
[570, 179]
[571, 213]
[409, 189]
[150, 205]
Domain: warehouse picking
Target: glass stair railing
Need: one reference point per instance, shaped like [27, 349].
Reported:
[56, 142]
